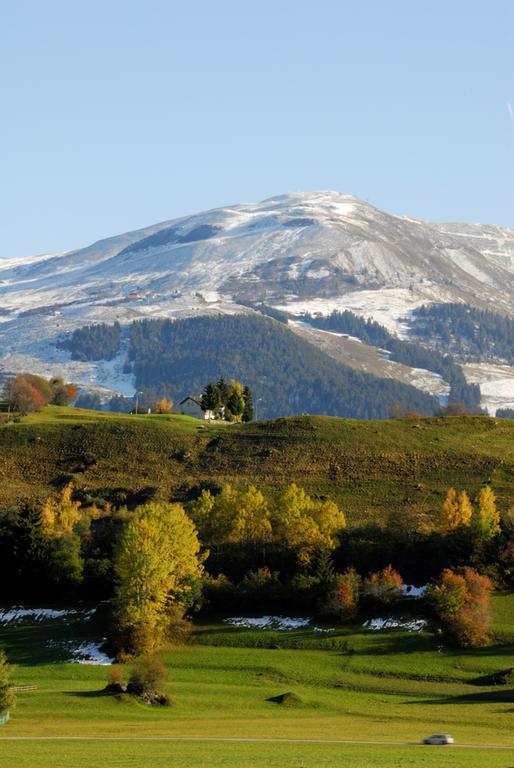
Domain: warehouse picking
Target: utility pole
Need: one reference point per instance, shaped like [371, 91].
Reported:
[137, 401]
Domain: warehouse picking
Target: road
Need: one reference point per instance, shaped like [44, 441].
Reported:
[245, 740]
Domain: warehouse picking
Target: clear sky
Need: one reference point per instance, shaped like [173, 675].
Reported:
[117, 114]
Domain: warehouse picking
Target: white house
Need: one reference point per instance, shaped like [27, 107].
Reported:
[192, 406]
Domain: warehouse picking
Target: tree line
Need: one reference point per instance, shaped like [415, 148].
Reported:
[160, 560]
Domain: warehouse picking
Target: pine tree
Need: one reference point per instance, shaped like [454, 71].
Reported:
[248, 409]
[211, 400]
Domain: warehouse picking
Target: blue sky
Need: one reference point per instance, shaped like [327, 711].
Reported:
[116, 114]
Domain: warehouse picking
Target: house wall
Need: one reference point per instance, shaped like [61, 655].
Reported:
[190, 408]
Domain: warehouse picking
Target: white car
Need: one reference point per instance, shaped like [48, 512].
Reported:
[439, 738]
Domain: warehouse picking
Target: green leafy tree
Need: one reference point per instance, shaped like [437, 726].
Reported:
[7, 696]
[157, 565]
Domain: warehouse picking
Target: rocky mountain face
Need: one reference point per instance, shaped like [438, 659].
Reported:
[301, 252]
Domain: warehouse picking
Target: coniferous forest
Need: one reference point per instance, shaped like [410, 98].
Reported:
[286, 374]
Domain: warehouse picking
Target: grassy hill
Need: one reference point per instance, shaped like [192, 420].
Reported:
[370, 467]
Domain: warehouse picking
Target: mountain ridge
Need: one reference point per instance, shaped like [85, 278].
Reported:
[301, 252]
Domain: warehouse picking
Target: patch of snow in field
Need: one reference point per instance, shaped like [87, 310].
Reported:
[281, 623]
[90, 653]
[17, 613]
[496, 384]
[409, 625]
[409, 590]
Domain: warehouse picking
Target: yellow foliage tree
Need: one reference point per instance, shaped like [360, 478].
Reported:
[305, 525]
[59, 516]
[465, 509]
[486, 518]
[163, 406]
[251, 522]
[156, 565]
[450, 520]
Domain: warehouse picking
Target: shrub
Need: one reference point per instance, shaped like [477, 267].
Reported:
[147, 676]
[383, 586]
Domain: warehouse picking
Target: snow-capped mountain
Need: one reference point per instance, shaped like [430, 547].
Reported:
[303, 251]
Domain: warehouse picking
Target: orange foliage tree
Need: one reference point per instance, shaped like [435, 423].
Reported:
[461, 601]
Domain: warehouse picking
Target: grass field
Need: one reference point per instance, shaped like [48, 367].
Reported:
[369, 467]
[353, 685]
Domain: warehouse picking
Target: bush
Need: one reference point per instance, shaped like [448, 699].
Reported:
[147, 676]
[383, 587]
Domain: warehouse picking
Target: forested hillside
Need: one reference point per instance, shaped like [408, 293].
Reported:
[472, 334]
[409, 353]
[286, 374]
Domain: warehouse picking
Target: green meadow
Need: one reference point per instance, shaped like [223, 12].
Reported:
[350, 684]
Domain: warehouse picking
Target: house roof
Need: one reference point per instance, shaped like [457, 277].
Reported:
[196, 400]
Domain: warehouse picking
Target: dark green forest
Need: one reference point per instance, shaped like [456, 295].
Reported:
[93, 342]
[286, 374]
[406, 352]
[465, 331]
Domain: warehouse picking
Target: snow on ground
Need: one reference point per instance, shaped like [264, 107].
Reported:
[387, 306]
[409, 625]
[409, 590]
[280, 623]
[90, 653]
[496, 384]
[17, 614]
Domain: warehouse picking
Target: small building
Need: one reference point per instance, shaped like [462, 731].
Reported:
[192, 406]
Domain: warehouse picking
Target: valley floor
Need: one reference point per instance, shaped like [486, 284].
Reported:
[352, 685]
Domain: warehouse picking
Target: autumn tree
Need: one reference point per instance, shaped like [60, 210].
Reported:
[27, 392]
[342, 601]
[157, 566]
[456, 512]
[60, 514]
[383, 586]
[305, 525]
[232, 517]
[485, 521]
[62, 394]
[7, 696]
[461, 602]
[163, 406]
[64, 523]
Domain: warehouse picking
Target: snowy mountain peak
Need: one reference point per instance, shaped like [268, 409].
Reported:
[301, 251]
